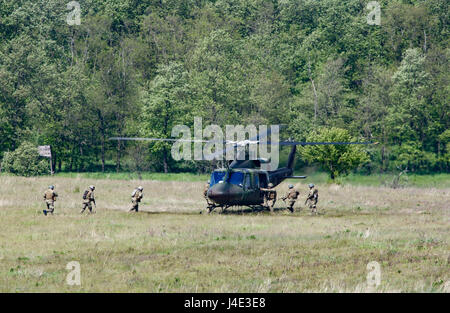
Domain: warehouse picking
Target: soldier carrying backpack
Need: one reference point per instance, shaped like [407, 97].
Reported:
[88, 198]
[136, 197]
[292, 196]
[312, 198]
[50, 198]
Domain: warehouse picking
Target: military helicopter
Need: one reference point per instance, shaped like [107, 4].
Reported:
[239, 183]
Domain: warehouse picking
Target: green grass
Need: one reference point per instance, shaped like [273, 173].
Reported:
[441, 180]
[135, 176]
[411, 180]
[170, 247]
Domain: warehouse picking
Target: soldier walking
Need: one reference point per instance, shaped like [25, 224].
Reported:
[312, 198]
[292, 196]
[209, 204]
[136, 197]
[270, 197]
[88, 198]
[50, 198]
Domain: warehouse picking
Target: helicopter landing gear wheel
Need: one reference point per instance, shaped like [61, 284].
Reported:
[212, 207]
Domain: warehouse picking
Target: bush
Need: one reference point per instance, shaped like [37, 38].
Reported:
[411, 155]
[25, 161]
[337, 160]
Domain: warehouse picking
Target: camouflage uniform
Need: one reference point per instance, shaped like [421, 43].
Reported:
[136, 198]
[209, 204]
[292, 196]
[270, 197]
[312, 198]
[87, 203]
[50, 198]
[205, 191]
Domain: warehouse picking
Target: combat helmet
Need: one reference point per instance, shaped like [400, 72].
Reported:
[291, 186]
[311, 185]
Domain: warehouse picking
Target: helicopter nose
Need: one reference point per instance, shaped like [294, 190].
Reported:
[224, 193]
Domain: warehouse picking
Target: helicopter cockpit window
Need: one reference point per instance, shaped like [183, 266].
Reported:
[247, 182]
[216, 177]
[236, 178]
[262, 181]
[256, 181]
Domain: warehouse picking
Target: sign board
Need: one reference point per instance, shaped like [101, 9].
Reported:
[45, 151]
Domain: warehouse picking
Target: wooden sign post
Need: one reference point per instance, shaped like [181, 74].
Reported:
[46, 152]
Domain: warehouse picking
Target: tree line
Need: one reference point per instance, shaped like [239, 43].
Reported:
[137, 68]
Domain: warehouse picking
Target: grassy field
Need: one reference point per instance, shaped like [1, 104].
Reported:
[187, 177]
[410, 180]
[170, 247]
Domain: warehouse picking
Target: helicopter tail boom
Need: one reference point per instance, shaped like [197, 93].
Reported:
[291, 158]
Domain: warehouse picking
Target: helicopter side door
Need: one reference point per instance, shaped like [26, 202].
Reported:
[251, 189]
[263, 180]
[259, 184]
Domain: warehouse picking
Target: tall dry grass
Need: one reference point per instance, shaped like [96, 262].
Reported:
[170, 247]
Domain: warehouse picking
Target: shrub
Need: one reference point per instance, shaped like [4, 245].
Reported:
[337, 160]
[25, 161]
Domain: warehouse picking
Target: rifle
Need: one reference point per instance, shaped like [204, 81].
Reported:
[309, 198]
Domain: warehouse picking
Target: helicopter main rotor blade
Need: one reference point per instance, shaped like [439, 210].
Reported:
[228, 142]
[251, 141]
[304, 143]
[161, 139]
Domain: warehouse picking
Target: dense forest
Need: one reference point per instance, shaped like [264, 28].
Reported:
[139, 67]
